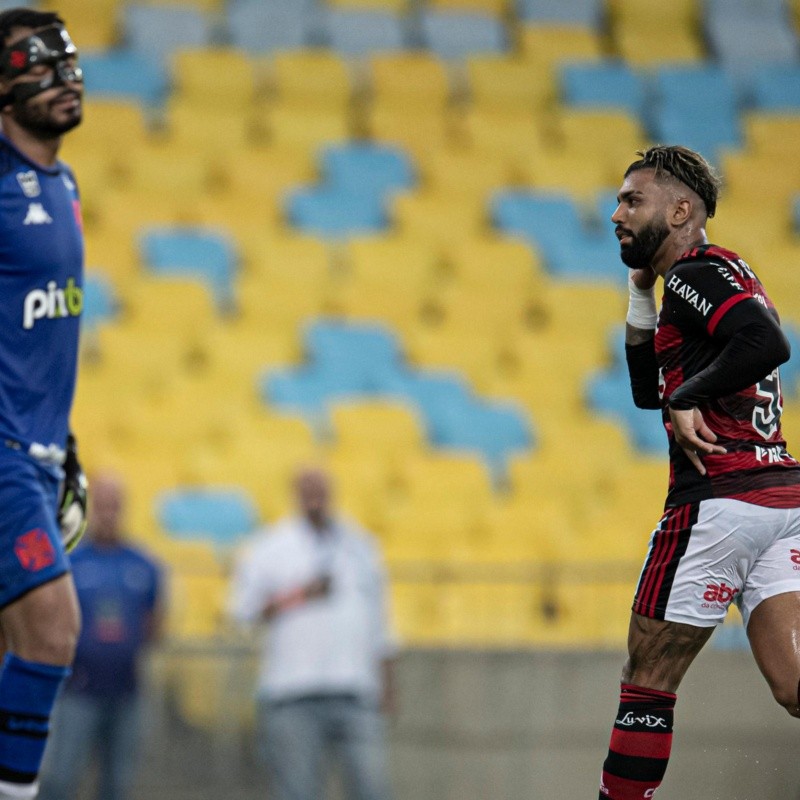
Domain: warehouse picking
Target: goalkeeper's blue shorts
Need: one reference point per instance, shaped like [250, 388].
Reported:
[31, 552]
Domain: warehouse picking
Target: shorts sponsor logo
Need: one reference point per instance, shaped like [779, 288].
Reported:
[52, 303]
[794, 555]
[34, 550]
[718, 595]
[648, 720]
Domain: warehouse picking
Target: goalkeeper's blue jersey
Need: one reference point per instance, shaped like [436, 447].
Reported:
[41, 298]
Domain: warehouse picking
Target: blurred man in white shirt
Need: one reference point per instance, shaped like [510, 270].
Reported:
[326, 673]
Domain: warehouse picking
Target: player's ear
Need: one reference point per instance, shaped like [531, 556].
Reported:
[681, 211]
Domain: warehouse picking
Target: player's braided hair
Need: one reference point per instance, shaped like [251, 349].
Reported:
[685, 165]
[25, 18]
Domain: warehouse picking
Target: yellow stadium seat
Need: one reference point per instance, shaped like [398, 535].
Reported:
[473, 351]
[648, 48]
[654, 15]
[447, 480]
[196, 605]
[206, 130]
[580, 174]
[307, 127]
[419, 129]
[391, 428]
[404, 309]
[608, 137]
[760, 178]
[402, 81]
[217, 78]
[271, 170]
[487, 6]
[490, 262]
[394, 263]
[311, 78]
[498, 312]
[510, 135]
[116, 254]
[743, 223]
[548, 45]
[461, 172]
[437, 218]
[417, 611]
[508, 83]
[92, 26]
[768, 133]
[170, 169]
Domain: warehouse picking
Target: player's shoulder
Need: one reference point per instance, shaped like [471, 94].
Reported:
[10, 159]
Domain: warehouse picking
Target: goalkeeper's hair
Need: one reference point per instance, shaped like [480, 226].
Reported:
[686, 166]
[25, 18]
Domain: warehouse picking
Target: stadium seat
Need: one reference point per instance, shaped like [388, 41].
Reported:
[393, 264]
[92, 28]
[357, 32]
[335, 345]
[605, 85]
[393, 428]
[437, 219]
[124, 74]
[550, 45]
[214, 77]
[203, 129]
[333, 213]
[413, 78]
[587, 13]
[417, 129]
[511, 135]
[465, 173]
[264, 27]
[224, 516]
[456, 35]
[553, 225]
[777, 88]
[100, 303]
[306, 127]
[507, 82]
[313, 78]
[156, 31]
[365, 168]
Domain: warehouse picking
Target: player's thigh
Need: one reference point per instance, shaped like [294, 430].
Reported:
[774, 633]
[660, 652]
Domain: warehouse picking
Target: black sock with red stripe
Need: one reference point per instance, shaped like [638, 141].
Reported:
[640, 744]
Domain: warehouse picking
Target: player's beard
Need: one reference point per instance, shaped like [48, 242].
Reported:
[640, 252]
[39, 120]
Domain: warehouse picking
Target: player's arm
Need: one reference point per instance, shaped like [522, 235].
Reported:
[72, 503]
[754, 345]
[640, 329]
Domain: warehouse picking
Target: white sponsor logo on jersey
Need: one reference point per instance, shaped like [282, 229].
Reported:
[37, 215]
[52, 303]
[29, 183]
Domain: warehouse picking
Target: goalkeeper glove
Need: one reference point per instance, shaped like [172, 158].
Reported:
[72, 505]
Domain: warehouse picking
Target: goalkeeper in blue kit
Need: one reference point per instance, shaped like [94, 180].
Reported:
[42, 488]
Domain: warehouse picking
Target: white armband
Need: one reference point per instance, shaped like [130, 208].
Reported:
[642, 311]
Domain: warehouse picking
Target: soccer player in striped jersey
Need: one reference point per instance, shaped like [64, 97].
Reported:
[730, 532]
[42, 489]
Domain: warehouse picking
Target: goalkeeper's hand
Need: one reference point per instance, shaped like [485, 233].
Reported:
[72, 504]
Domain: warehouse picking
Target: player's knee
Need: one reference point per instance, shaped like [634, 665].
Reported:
[49, 643]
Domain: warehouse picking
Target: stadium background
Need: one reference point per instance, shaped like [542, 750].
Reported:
[374, 233]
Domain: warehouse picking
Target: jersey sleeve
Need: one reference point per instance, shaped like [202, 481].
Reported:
[702, 293]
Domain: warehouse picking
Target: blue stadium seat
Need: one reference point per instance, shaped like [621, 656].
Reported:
[607, 85]
[224, 516]
[156, 31]
[367, 168]
[776, 88]
[124, 75]
[263, 26]
[198, 252]
[295, 391]
[99, 300]
[608, 393]
[457, 35]
[745, 33]
[553, 225]
[334, 343]
[495, 430]
[706, 89]
[335, 214]
[706, 135]
[357, 33]
[587, 13]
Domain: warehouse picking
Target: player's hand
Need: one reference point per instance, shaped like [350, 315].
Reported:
[694, 436]
[72, 503]
[643, 278]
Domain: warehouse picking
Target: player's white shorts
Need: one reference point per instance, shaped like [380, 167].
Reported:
[703, 556]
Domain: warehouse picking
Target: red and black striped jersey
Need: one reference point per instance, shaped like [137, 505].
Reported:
[696, 321]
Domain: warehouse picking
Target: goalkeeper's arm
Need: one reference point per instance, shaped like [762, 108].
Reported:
[72, 504]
